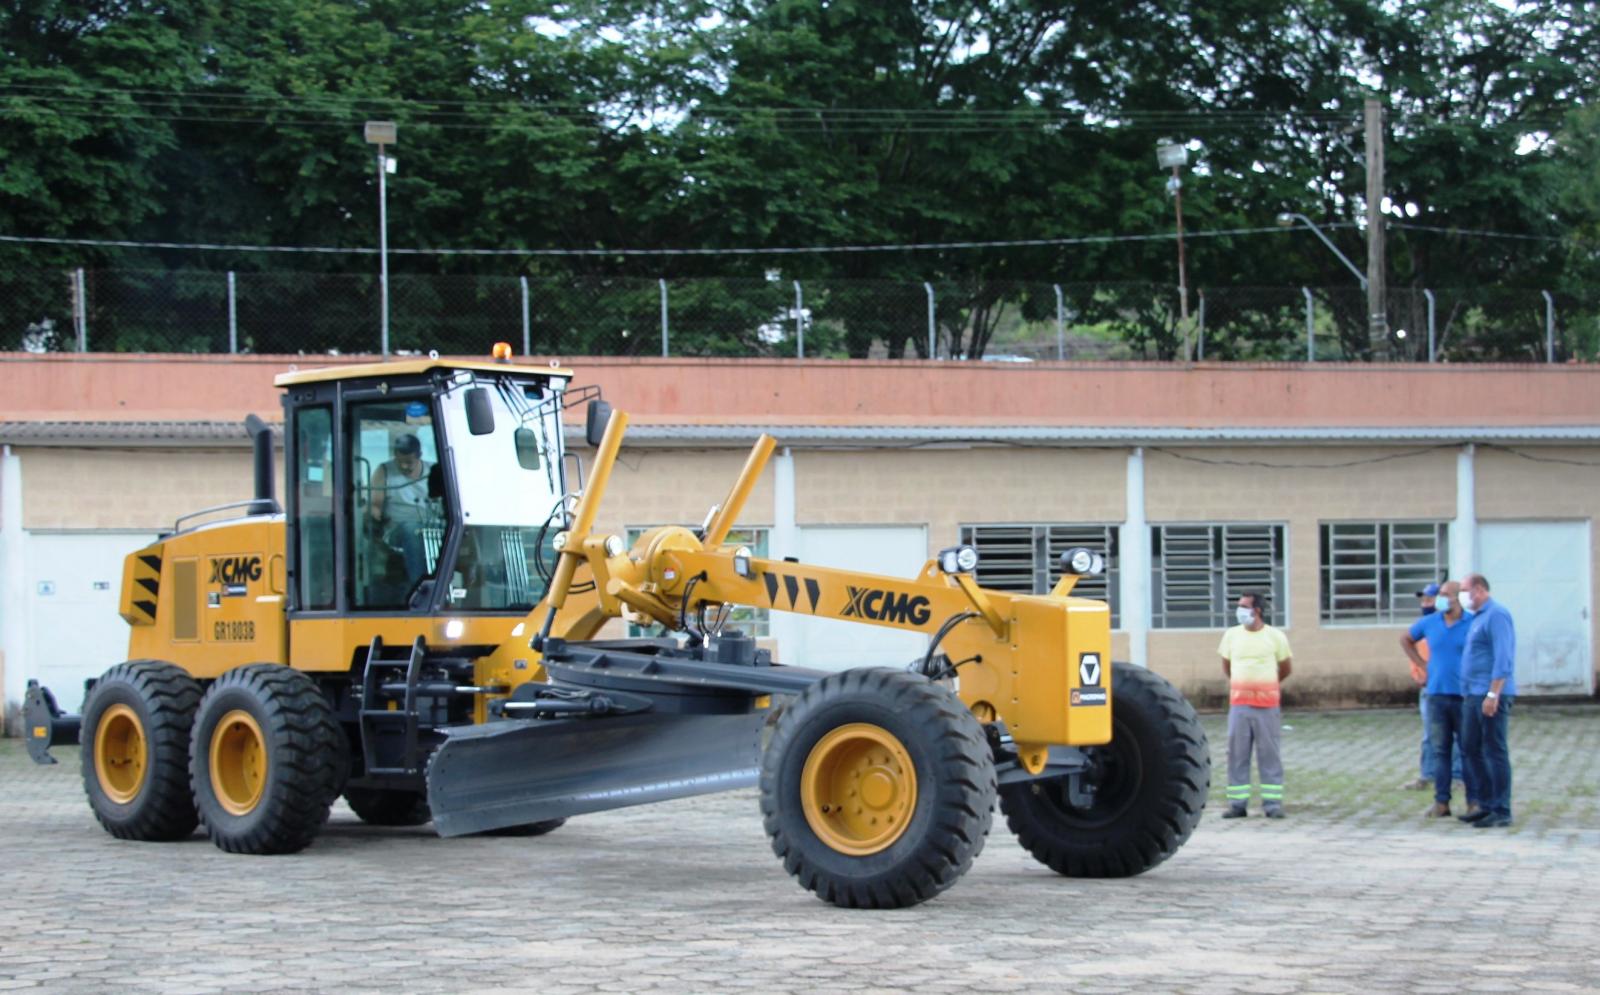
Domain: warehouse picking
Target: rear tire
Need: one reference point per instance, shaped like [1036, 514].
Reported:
[135, 753]
[389, 807]
[877, 789]
[1150, 785]
[266, 761]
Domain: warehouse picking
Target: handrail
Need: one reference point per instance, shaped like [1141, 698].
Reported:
[275, 509]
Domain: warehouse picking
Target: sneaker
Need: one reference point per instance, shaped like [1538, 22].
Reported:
[1234, 812]
[1474, 815]
[1417, 785]
[1439, 810]
[1274, 812]
[1492, 822]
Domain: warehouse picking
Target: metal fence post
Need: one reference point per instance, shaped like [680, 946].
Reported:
[933, 339]
[80, 309]
[233, 313]
[663, 283]
[1549, 327]
[1061, 323]
[1311, 326]
[1433, 350]
[527, 332]
[1200, 327]
[799, 322]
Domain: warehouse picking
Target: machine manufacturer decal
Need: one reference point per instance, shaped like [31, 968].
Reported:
[1090, 673]
[235, 573]
[886, 606]
[791, 589]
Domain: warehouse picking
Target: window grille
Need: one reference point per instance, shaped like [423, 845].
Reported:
[1199, 571]
[1372, 571]
[1026, 559]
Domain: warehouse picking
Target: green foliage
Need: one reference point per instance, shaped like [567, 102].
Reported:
[626, 123]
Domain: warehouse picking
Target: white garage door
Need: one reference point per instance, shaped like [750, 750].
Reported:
[1540, 571]
[74, 631]
[825, 644]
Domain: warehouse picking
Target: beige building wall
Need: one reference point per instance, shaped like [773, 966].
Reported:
[133, 489]
[1303, 487]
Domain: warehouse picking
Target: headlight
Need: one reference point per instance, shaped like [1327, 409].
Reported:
[614, 546]
[958, 560]
[1082, 560]
[741, 563]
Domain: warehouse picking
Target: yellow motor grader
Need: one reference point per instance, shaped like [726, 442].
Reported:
[416, 631]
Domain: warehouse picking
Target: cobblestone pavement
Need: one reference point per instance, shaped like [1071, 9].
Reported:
[1355, 892]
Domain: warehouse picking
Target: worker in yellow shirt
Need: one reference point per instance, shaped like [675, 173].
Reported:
[1255, 656]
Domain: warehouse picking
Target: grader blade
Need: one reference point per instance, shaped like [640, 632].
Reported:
[518, 772]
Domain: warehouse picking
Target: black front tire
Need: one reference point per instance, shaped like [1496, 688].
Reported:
[156, 702]
[304, 753]
[1150, 786]
[953, 774]
[389, 807]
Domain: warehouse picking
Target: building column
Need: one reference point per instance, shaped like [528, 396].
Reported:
[785, 541]
[1464, 530]
[1134, 586]
[13, 578]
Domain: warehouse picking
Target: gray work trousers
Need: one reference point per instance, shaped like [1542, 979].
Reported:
[1262, 729]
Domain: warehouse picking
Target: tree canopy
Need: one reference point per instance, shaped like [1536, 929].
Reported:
[720, 124]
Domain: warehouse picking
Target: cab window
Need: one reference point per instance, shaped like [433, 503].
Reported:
[398, 513]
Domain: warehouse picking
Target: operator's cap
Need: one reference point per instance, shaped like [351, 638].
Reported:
[1431, 591]
[407, 444]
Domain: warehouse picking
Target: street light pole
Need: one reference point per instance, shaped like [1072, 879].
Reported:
[1287, 220]
[381, 134]
[1173, 155]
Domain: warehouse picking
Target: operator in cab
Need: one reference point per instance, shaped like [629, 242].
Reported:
[399, 504]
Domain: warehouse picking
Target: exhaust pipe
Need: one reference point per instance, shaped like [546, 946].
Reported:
[261, 435]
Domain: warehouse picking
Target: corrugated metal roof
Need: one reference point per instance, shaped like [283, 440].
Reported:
[229, 433]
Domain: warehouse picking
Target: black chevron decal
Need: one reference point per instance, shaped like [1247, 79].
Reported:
[154, 587]
[814, 592]
[153, 562]
[791, 586]
[148, 607]
[772, 587]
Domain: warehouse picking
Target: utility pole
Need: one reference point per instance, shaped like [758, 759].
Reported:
[1173, 155]
[1377, 311]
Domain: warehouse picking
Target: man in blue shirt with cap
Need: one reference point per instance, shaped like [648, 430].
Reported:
[1488, 685]
[1444, 632]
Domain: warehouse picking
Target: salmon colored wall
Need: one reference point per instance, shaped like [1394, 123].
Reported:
[225, 388]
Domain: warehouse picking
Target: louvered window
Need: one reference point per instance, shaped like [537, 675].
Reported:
[1198, 573]
[1026, 559]
[1372, 571]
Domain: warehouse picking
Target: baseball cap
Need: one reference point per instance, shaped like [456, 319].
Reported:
[407, 444]
[1432, 590]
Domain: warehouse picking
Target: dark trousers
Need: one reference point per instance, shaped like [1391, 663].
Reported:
[1445, 721]
[1483, 744]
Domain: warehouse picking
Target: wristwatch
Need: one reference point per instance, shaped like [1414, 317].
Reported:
[1492, 694]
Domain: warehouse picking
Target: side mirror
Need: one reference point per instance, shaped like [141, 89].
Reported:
[594, 425]
[480, 413]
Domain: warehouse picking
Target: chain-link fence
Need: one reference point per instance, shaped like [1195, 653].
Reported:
[1005, 321]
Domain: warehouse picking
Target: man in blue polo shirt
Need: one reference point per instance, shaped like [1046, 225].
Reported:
[1488, 685]
[1445, 633]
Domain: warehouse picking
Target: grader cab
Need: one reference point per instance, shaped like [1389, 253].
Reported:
[416, 631]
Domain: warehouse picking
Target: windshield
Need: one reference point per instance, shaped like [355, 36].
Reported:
[509, 484]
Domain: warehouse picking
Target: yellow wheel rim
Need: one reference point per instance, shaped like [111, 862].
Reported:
[120, 753]
[858, 789]
[238, 762]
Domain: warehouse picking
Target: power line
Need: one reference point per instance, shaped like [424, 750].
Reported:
[736, 251]
[1303, 466]
[1479, 232]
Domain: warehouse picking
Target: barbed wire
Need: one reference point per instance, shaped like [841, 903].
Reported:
[733, 251]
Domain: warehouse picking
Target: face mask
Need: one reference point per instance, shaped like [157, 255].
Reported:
[1442, 603]
[1466, 600]
[1244, 615]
